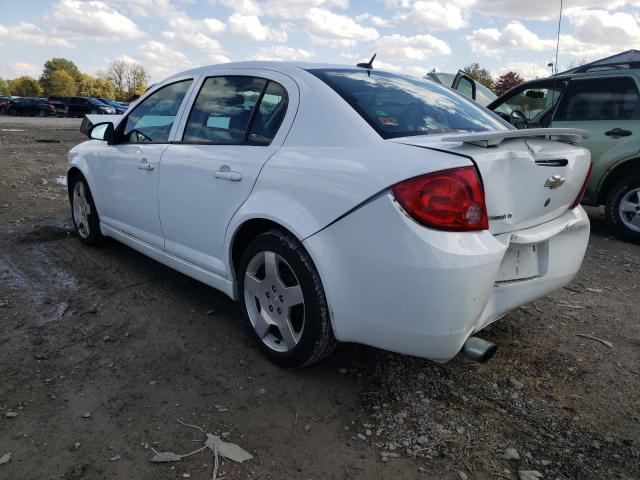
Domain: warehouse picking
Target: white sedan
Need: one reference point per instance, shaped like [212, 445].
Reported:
[338, 203]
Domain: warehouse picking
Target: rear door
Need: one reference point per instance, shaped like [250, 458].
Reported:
[235, 124]
[609, 108]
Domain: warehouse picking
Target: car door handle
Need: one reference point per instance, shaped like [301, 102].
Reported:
[228, 175]
[146, 166]
[618, 132]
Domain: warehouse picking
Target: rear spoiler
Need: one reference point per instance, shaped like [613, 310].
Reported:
[90, 120]
[493, 139]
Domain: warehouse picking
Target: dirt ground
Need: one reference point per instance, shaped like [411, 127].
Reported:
[103, 350]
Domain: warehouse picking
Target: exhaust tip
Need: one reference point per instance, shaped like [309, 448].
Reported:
[479, 350]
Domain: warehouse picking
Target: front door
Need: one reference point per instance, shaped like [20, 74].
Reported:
[127, 171]
[210, 171]
[609, 108]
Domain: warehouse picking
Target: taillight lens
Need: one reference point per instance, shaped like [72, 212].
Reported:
[447, 200]
[578, 199]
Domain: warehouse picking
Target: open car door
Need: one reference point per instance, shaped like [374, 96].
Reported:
[464, 84]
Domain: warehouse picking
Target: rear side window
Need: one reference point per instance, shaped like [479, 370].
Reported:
[223, 110]
[399, 106]
[269, 115]
[600, 99]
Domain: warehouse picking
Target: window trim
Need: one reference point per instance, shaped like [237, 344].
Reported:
[571, 85]
[245, 137]
[119, 131]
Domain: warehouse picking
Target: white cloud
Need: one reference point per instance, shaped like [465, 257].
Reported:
[20, 69]
[324, 26]
[195, 40]
[220, 58]
[29, 33]
[94, 19]
[146, 8]
[251, 28]
[540, 9]
[492, 42]
[281, 53]
[618, 30]
[433, 15]
[528, 70]
[161, 60]
[417, 47]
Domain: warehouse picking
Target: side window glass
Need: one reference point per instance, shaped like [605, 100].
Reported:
[532, 103]
[465, 87]
[270, 114]
[222, 110]
[152, 119]
[601, 99]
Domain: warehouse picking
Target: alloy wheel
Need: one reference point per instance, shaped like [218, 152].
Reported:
[629, 210]
[274, 301]
[81, 209]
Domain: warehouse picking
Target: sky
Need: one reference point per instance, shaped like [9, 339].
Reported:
[409, 36]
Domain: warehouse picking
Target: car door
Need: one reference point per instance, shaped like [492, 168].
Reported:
[464, 84]
[609, 108]
[127, 170]
[235, 124]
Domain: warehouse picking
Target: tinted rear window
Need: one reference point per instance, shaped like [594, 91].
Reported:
[399, 106]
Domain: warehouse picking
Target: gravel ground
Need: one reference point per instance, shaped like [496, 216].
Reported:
[103, 350]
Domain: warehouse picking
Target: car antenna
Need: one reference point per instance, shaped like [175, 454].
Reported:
[369, 64]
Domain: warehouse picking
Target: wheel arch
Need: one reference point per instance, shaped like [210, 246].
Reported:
[617, 173]
[245, 233]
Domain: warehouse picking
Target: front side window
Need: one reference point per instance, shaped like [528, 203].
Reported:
[532, 105]
[152, 119]
[600, 99]
[398, 106]
[223, 109]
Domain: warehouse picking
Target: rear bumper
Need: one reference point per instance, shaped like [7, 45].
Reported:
[396, 285]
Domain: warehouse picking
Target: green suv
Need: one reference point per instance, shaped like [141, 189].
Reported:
[601, 97]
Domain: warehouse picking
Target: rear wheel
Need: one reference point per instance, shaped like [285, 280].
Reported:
[623, 209]
[84, 213]
[283, 300]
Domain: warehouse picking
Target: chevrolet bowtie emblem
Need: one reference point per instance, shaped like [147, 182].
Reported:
[554, 182]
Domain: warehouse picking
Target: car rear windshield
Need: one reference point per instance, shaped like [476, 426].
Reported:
[400, 106]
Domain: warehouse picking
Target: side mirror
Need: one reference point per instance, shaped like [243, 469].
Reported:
[102, 131]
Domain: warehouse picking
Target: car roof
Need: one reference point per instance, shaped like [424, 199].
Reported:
[290, 68]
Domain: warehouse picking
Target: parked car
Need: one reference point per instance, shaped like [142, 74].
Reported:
[81, 106]
[60, 105]
[603, 98]
[30, 107]
[120, 108]
[337, 203]
[4, 105]
[464, 84]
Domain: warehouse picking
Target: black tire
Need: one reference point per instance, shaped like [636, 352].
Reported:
[317, 340]
[94, 236]
[612, 208]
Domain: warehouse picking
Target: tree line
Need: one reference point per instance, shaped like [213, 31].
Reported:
[499, 85]
[62, 78]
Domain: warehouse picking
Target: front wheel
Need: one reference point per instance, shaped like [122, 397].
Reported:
[284, 302]
[623, 209]
[85, 216]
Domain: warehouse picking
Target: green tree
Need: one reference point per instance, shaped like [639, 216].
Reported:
[4, 87]
[55, 64]
[116, 74]
[479, 74]
[25, 87]
[95, 87]
[506, 82]
[62, 84]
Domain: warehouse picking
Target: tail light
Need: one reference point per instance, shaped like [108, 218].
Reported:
[578, 199]
[446, 200]
[51, 107]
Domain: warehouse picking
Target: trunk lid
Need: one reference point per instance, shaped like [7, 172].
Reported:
[527, 180]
